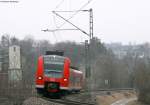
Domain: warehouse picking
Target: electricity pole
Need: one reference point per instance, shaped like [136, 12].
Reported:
[91, 23]
[90, 44]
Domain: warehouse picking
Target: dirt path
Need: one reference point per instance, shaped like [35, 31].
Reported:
[124, 101]
[117, 98]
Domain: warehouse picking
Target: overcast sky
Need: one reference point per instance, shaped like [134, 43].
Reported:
[114, 20]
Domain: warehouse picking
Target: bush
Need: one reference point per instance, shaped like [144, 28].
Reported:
[144, 96]
[142, 78]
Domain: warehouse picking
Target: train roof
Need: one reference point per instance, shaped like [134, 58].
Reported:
[54, 56]
[77, 71]
[60, 53]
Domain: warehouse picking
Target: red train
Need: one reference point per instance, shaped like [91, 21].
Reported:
[55, 75]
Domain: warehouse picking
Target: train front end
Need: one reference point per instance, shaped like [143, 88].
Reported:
[52, 74]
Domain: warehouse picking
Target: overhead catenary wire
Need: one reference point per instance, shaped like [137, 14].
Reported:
[55, 37]
[67, 20]
[71, 23]
[80, 9]
[59, 4]
[72, 11]
[76, 12]
[54, 18]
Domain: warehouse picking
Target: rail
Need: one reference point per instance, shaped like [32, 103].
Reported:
[68, 102]
[112, 89]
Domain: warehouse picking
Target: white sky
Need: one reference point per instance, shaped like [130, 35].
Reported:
[114, 20]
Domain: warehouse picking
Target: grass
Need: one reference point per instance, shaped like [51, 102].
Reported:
[135, 103]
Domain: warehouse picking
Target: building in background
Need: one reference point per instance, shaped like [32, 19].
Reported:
[14, 72]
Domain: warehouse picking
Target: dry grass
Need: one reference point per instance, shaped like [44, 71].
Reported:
[135, 103]
[109, 99]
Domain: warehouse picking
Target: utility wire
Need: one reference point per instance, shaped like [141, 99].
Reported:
[58, 5]
[54, 18]
[75, 13]
[72, 11]
[70, 23]
[55, 37]
[80, 9]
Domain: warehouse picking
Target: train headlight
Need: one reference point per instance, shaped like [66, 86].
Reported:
[65, 79]
[40, 78]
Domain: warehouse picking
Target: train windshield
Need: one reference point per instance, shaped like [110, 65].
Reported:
[53, 67]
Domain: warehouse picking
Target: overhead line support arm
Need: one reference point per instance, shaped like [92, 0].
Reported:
[70, 23]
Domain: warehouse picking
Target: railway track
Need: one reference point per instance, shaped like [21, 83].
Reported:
[68, 102]
[115, 89]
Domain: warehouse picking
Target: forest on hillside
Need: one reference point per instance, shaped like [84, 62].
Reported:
[107, 70]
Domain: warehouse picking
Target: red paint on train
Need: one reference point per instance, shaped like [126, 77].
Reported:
[54, 74]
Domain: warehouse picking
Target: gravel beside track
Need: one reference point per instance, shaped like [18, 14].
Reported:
[48, 101]
[39, 101]
[69, 102]
[87, 97]
[82, 98]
